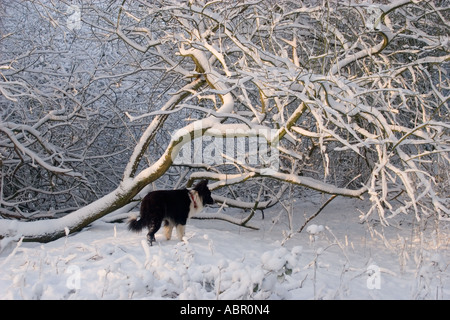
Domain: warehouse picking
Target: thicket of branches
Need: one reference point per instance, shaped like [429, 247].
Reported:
[357, 94]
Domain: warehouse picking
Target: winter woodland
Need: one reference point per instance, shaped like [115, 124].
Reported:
[103, 101]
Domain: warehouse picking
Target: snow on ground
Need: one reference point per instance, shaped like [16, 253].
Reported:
[335, 257]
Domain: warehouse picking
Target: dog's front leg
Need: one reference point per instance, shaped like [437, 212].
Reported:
[180, 231]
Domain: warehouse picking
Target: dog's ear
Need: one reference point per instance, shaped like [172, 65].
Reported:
[202, 185]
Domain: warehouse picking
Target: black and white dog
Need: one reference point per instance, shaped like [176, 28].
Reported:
[173, 207]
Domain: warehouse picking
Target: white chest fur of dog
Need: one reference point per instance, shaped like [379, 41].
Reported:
[196, 205]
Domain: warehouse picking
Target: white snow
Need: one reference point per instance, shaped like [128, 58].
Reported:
[314, 229]
[216, 259]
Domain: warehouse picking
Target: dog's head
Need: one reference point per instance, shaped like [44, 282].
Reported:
[204, 192]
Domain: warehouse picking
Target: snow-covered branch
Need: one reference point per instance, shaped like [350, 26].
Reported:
[344, 100]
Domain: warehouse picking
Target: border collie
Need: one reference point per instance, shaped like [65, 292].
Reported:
[173, 207]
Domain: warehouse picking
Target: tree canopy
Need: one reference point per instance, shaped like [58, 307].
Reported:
[99, 99]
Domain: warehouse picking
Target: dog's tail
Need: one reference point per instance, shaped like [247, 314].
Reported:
[135, 225]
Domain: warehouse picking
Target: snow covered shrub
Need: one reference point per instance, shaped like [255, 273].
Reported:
[278, 266]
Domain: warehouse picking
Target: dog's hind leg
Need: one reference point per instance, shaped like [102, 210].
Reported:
[168, 227]
[151, 238]
[153, 227]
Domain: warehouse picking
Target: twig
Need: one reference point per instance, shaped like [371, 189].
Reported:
[221, 216]
[317, 213]
[310, 218]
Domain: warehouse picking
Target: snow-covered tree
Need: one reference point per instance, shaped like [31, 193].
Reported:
[349, 99]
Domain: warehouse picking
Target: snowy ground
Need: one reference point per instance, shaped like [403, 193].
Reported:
[336, 257]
